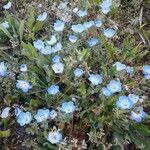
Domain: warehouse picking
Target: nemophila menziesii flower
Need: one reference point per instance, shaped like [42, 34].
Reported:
[58, 67]
[46, 50]
[78, 72]
[42, 115]
[82, 13]
[62, 5]
[54, 137]
[95, 79]
[7, 6]
[56, 59]
[57, 47]
[38, 44]
[119, 66]
[24, 118]
[23, 67]
[25, 86]
[42, 16]
[3, 69]
[5, 24]
[52, 114]
[114, 86]
[106, 92]
[138, 114]
[109, 32]
[130, 70]
[59, 25]
[92, 42]
[73, 38]
[106, 6]
[17, 111]
[98, 23]
[134, 98]
[78, 28]
[75, 10]
[5, 112]
[52, 40]
[68, 107]
[124, 103]
[53, 89]
[88, 24]
[146, 71]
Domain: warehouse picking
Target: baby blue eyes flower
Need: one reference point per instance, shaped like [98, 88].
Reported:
[106, 92]
[119, 66]
[130, 70]
[52, 40]
[106, 6]
[52, 114]
[53, 89]
[57, 47]
[39, 44]
[17, 111]
[42, 115]
[134, 98]
[23, 85]
[79, 28]
[56, 59]
[42, 16]
[58, 67]
[114, 86]
[7, 6]
[73, 38]
[109, 32]
[54, 137]
[81, 13]
[68, 107]
[95, 79]
[3, 69]
[5, 112]
[92, 42]
[23, 68]
[124, 103]
[146, 71]
[24, 118]
[5, 24]
[78, 72]
[138, 114]
[98, 23]
[59, 25]
[88, 24]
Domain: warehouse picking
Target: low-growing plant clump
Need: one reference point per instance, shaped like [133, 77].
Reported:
[74, 75]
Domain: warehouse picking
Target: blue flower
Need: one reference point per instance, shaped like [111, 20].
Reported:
[119, 66]
[58, 67]
[81, 13]
[23, 85]
[39, 44]
[98, 23]
[95, 79]
[59, 25]
[138, 114]
[5, 113]
[42, 16]
[146, 70]
[130, 70]
[3, 69]
[54, 137]
[79, 28]
[78, 72]
[92, 42]
[147, 76]
[56, 59]
[68, 107]
[57, 47]
[73, 38]
[106, 6]
[5, 24]
[53, 89]
[124, 103]
[52, 114]
[23, 67]
[114, 86]
[46, 50]
[109, 32]
[88, 24]
[42, 115]
[52, 40]
[17, 111]
[7, 6]
[24, 118]
[106, 92]
[134, 98]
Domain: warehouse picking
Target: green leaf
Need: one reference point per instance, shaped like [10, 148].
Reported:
[5, 134]
[85, 53]
[21, 28]
[38, 26]
[6, 31]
